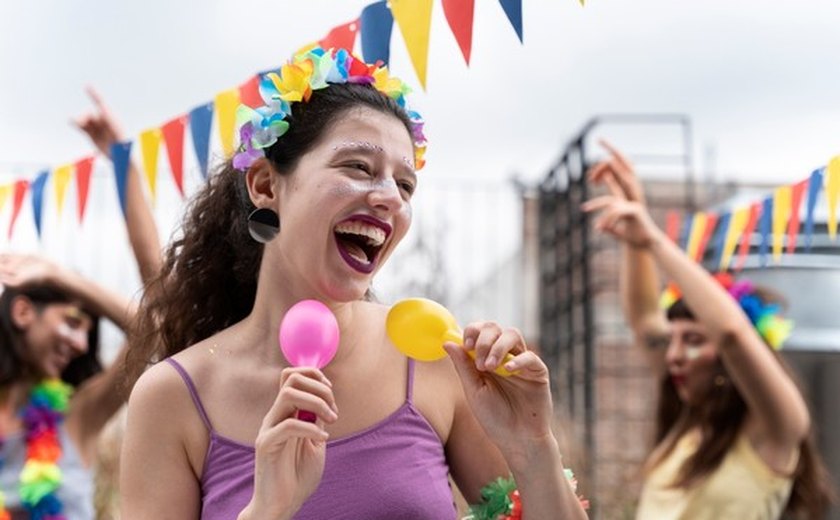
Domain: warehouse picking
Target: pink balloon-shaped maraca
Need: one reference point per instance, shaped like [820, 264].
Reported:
[309, 334]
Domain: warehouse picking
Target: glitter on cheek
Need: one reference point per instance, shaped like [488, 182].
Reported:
[67, 333]
[692, 353]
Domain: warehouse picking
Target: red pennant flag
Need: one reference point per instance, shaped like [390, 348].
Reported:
[711, 222]
[249, 92]
[17, 202]
[744, 248]
[173, 134]
[341, 37]
[672, 225]
[798, 190]
[459, 15]
[84, 168]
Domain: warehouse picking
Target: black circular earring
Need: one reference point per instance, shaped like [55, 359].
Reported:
[263, 225]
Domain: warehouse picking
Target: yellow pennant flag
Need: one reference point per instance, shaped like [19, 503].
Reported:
[61, 178]
[698, 226]
[832, 191]
[736, 227]
[415, 20]
[5, 190]
[226, 104]
[781, 216]
[149, 147]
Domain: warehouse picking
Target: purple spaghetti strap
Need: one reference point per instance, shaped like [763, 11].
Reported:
[193, 392]
[409, 391]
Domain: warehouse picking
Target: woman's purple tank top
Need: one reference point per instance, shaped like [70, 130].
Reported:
[394, 470]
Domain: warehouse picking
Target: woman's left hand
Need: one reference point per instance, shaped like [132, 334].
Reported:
[512, 410]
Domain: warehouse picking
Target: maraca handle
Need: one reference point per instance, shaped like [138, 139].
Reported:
[500, 370]
[456, 336]
[303, 415]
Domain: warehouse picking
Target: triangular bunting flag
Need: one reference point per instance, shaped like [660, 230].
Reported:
[18, 192]
[38, 199]
[149, 147]
[513, 10]
[201, 117]
[173, 134]
[672, 225]
[5, 191]
[249, 92]
[120, 155]
[376, 23]
[61, 178]
[815, 184]
[341, 37]
[459, 15]
[698, 226]
[746, 237]
[84, 168]
[708, 229]
[414, 18]
[765, 226]
[781, 216]
[832, 192]
[797, 193]
[720, 236]
[736, 227]
[226, 104]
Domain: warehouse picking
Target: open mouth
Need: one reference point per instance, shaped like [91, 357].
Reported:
[360, 240]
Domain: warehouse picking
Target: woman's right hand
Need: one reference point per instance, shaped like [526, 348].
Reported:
[290, 452]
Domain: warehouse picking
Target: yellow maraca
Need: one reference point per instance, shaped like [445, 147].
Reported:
[419, 327]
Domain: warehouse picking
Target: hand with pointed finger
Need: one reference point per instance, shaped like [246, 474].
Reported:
[627, 221]
[290, 452]
[100, 125]
[617, 174]
[514, 409]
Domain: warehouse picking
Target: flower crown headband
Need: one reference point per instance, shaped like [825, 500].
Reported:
[765, 317]
[313, 68]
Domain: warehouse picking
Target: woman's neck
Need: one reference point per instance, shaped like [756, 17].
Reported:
[12, 398]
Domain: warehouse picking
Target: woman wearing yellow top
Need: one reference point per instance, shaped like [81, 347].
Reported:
[733, 432]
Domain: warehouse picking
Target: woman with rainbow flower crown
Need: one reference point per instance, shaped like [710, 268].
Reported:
[734, 438]
[311, 206]
[55, 396]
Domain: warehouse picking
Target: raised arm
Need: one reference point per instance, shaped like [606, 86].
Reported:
[103, 130]
[771, 396]
[639, 283]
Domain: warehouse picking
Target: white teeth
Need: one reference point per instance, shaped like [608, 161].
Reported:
[375, 236]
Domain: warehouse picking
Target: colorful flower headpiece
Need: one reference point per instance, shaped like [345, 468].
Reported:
[765, 317]
[313, 68]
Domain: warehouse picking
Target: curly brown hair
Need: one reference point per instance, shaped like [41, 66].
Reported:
[208, 280]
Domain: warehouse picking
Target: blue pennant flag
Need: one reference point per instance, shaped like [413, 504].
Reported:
[201, 118]
[814, 186]
[764, 227]
[37, 188]
[720, 239]
[376, 24]
[120, 155]
[513, 10]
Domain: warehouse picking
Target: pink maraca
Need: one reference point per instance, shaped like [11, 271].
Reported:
[309, 338]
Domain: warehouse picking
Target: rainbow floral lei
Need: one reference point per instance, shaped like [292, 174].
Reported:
[313, 68]
[765, 317]
[500, 500]
[40, 477]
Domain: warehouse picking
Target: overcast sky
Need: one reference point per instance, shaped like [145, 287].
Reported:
[759, 79]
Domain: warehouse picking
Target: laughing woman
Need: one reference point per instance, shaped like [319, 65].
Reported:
[734, 435]
[326, 172]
